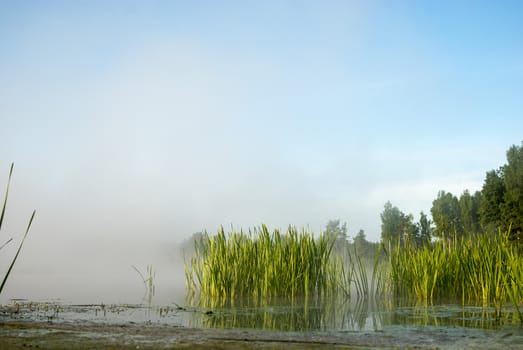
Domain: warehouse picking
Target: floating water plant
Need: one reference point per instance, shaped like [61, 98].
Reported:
[2, 215]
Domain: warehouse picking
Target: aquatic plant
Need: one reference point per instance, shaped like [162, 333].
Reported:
[361, 280]
[2, 216]
[148, 283]
[476, 268]
[513, 279]
[259, 265]
[263, 265]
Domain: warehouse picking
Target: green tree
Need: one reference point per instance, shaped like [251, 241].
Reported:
[396, 226]
[512, 208]
[469, 211]
[476, 204]
[391, 223]
[492, 198]
[410, 229]
[424, 227]
[446, 214]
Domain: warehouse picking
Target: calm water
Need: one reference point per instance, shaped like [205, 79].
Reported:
[280, 315]
[404, 324]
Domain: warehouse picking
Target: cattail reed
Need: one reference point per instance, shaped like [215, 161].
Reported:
[483, 269]
[263, 265]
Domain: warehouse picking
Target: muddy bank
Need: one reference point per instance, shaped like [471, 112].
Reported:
[24, 335]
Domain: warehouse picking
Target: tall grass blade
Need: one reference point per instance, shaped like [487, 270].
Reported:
[262, 265]
[17, 252]
[6, 243]
[6, 195]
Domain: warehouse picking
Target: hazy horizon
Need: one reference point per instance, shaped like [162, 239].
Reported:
[136, 124]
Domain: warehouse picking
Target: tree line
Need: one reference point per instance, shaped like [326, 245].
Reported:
[498, 206]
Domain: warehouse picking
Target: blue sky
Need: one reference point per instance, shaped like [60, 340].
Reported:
[151, 120]
[290, 112]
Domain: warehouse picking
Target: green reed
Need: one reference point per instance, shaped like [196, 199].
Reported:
[484, 269]
[2, 216]
[513, 280]
[262, 265]
[148, 283]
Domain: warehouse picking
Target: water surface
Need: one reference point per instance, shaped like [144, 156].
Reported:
[357, 324]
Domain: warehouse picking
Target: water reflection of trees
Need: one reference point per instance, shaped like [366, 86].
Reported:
[283, 315]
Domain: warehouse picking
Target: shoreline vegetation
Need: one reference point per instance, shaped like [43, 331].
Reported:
[460, 258]
[472, 251]
[260, 265]
[484, 269]
[264, 265]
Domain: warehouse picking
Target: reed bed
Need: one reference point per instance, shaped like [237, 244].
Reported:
[257, 266]
[482, 269]
[260, 265]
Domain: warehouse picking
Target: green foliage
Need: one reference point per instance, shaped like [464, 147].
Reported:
[477, 268]
[397, 227]
[499, 205]
[261, 265]
[469, 211]
[512, 209]
[411, 228]
[446, 214]
[424, 228]
[492, 197]
[453, 216]
[392, 224]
